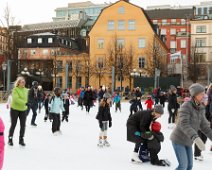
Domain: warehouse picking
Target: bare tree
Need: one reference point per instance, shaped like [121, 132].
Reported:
[192, 65]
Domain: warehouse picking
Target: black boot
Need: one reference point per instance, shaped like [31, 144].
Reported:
[21, 141]
[10, 141]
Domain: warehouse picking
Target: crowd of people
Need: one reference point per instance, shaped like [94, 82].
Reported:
[190, 112]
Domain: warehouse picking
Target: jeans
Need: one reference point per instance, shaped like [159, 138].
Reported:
[171, 115]
[184, 156]
[34, 108]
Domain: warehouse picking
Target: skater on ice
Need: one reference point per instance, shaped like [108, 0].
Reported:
[104, 119]
[191, 119]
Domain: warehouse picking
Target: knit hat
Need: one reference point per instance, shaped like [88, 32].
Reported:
[172, 88]
[159, 109]
[156, 127]
[195, 89]
[106, 96]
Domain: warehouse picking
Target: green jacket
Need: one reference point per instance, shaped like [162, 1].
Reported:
[19, 99]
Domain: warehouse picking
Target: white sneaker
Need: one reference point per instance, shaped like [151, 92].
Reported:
[199, 158]
[100, 144]
[135, 158]
[57, 133]
[106, 143]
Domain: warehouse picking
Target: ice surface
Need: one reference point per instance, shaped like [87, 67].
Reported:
[77, 148]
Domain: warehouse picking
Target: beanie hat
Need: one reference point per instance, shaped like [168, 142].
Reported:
[159, 109]
[106, 96]
[34, 83]
[156, 127]
[195, 89]
[172, 88]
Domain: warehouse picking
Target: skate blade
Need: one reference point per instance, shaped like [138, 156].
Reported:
[22, 147]
[136, 162]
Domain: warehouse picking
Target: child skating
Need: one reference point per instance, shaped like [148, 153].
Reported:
[117, 101]
[105, 119]
[56, 106]
[149, 102]
[46, 106]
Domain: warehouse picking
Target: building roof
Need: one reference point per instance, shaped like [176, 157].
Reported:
[53, 25]
[170, 13]
[43, 34]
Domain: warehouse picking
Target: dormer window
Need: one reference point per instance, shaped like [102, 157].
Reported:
[39, 40]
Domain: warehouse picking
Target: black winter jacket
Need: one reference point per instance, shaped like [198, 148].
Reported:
[140, 121]
[104, 114]
[33, 96]
[88, 98]
[155, 143]
[172, 101]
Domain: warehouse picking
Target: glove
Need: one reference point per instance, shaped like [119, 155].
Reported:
[148, 136]
[173, 110]
[110, 124]
[137, 133]
[198, 141]
[100, 124]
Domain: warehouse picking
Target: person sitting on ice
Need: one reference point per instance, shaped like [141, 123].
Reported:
[104, 117]
[141, 122]
[149, 102]
[154, 139]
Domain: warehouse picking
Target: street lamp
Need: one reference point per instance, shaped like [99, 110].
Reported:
[121, 69]
[100, 66]
[134, 74]
[39, 73]
[4, 68]
[25, 73]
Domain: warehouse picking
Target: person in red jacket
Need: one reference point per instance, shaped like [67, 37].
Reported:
[149, 102]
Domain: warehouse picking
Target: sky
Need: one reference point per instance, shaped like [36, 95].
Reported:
[35, 11]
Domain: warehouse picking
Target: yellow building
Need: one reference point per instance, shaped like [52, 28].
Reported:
[124, 37]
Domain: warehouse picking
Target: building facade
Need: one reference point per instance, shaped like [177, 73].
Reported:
[123, 38]
[74, 9]
[174, 24]
[52, 61]
[201, 43]
[203, 10]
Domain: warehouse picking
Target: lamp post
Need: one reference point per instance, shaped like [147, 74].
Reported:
[40, 73]
[121, 70]
[4, 68]
[25, 73]
[134, 74]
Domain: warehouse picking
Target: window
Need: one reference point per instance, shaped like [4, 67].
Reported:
[70, 43]
[200, 57]
[210, 10]
[182, 29]
[172, 44]
[59, 81]
[100, 43]
[131, 24]
[141, 62]
[32, 52]
[173, 31]
[45, 52]
[199, 11]
[110, 25]
[155, 22]
[78, 82]
[59, 66]
[69, 82]
[201, 29]
[163, 31]
[121, 10]
[205, 10]
[164, 22]
[120, 43]
[200, 42]
[50, 40]
[173, 21]
[39, 40]
[29, 40]
[183, 44]
[100, 62]
[183, 22]
[121, 25]
[141, 43]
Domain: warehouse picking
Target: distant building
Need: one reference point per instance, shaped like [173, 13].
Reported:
[52, 61]
[124, 37]
[203, 10]
[174, 24]
[74, 10]
[201, 46]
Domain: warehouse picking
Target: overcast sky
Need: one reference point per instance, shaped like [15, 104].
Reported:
[34, 11]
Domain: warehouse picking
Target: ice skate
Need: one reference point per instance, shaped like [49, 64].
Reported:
[135, 158]
[10, 141]
[100, 144]
[199, 158]
[106, 143]
[166, 162]
[21, 142]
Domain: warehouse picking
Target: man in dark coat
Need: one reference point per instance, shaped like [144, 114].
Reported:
[138, 98]
[33, 100]
[140, 123]
[88, 99]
